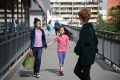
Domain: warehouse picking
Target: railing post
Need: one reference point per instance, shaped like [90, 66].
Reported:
[111, 48]
[103, 39]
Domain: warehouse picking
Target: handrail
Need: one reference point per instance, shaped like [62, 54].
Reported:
[78, 28]
[13, 46]
[14, 33]
[109, 44]
[106, 33]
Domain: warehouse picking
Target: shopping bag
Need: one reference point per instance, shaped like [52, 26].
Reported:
[28, 62]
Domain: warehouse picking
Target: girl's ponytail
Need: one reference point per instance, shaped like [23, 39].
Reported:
[35, 20]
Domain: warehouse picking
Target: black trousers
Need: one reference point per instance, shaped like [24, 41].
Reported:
[56, 31]
[82, 71]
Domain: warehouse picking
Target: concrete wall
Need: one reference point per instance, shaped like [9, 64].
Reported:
[34, 6]
[33, 14]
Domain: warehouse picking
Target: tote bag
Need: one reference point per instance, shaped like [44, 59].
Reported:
[28, 62]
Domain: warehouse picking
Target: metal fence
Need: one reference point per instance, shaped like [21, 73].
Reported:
[109, 44]
[12, 47]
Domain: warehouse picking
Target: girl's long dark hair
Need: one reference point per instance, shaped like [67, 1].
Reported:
[67, 32]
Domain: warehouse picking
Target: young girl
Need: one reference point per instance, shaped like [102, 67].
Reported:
[62, 40]
[38, 42]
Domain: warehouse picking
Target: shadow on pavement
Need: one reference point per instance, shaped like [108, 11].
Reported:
[55, 71]
[23, 73]
[104, 65]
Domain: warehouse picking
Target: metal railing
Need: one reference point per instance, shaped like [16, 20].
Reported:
[109, 44]
[12, 47]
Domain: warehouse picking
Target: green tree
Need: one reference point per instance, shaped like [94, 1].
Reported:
[100, 1]
[104, 25]
[114, 17]
[99, 7]
[113, 23]
[101, 22]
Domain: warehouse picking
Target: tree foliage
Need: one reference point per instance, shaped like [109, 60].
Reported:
[113, 22]
[100, 1]
[114, 14]
[101, 22]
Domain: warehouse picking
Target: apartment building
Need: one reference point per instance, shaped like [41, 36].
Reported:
[112, 3]
[68, 9]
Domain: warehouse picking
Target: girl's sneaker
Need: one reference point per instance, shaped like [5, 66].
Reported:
[37, 75]
[61, 72]
[34, 75]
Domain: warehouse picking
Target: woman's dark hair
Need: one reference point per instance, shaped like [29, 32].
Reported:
[36, 20]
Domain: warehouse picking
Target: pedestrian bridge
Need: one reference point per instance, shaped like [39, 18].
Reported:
[15, 46]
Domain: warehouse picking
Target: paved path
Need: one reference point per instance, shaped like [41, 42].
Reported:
[49, 68]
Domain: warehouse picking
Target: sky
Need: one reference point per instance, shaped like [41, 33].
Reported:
[104, 5]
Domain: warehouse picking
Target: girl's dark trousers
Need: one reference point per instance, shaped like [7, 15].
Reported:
[37, 52]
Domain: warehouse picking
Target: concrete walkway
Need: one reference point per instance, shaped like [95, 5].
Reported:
[50, 66]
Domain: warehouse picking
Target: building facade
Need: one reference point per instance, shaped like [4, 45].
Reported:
[68, 9]
[39, 10]
[14, 15]
[35, 12]
[112, 3]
